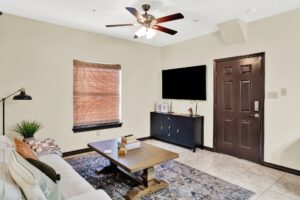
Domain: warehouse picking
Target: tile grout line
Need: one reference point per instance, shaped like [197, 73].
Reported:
[290, 198]
[280, 192]
[268, 189]
[264, 191]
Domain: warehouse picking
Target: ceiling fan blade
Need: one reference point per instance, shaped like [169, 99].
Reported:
[164, 29]
[169, 18]
[116, 25]
[134, 12]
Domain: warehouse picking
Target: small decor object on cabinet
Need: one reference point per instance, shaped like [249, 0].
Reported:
[171, 108]
[190, 111]
[164, 107]
[158, 107]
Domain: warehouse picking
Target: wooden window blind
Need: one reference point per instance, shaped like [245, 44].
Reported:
[96, 96]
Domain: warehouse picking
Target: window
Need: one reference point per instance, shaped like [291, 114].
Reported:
[96, 96]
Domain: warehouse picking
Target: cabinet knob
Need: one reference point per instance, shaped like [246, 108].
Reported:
[177, 130]
[169, 118]
[169, 127]
[169, 134]
[161, 128]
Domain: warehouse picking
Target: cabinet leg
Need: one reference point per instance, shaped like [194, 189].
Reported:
[194, 149]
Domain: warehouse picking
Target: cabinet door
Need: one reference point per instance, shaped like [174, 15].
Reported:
[185, 132]
[156, 125]
[169, 127]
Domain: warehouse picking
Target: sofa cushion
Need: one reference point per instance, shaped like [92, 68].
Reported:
[57, 162]
[71, 183]
[9, 190]
[94, 195]
[5, 145]
[5, 141]
[33, 182]
[46, 169]
[24, 150]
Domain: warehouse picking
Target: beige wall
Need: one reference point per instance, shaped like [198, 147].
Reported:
[279, 37]
[38, 56]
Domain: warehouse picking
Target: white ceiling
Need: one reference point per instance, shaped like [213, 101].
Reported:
[201, 16]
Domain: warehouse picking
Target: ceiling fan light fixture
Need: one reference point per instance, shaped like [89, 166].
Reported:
[150, 33]
[141, 32]
[150, 24]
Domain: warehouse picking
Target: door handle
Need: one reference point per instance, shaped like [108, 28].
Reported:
[256, 115]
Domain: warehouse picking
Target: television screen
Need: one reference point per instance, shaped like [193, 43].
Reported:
[184, 83]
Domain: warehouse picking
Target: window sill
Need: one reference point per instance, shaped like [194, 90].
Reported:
[78, 129]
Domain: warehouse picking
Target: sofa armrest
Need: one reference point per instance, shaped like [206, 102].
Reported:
[94, 195]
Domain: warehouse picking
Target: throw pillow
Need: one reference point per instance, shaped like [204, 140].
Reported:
[24, 150]
[9, 190]
[46, 169]
[5, 141]
[34, 184]
[5, 146]
[44, 146]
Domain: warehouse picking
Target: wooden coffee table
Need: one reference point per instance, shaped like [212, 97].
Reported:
[144, 158]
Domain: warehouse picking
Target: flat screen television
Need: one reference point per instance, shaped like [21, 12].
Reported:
[184, 83]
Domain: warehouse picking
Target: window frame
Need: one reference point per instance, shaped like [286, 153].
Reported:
[84, 128]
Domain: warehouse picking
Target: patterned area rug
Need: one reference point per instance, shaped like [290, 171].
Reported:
[185, 183]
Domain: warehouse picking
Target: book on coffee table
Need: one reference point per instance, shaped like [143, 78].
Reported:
[129, 146]
[128, 139]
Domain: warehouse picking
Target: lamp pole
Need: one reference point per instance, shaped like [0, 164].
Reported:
[3, 113]
[21, 96]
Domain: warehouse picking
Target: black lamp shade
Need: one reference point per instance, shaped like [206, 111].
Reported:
[22, 96]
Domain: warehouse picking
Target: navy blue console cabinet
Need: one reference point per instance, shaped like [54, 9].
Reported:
[183, 130]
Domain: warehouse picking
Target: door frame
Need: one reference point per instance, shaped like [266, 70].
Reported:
[262, 73]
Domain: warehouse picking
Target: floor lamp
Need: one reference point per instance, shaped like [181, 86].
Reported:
[21, 96]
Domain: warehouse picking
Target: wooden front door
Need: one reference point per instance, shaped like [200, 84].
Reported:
[239, 105]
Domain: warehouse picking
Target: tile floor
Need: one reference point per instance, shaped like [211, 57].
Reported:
[267, 183]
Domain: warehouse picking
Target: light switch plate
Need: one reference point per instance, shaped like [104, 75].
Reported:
[283, 92]
[272, 95]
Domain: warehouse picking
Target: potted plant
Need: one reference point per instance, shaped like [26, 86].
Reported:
[27, 129]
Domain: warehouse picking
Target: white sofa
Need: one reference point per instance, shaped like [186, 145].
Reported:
[72, 185]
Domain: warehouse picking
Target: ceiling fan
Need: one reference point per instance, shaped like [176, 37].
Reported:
[149, 22]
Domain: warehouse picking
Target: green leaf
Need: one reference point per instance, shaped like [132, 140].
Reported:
[27, 128]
